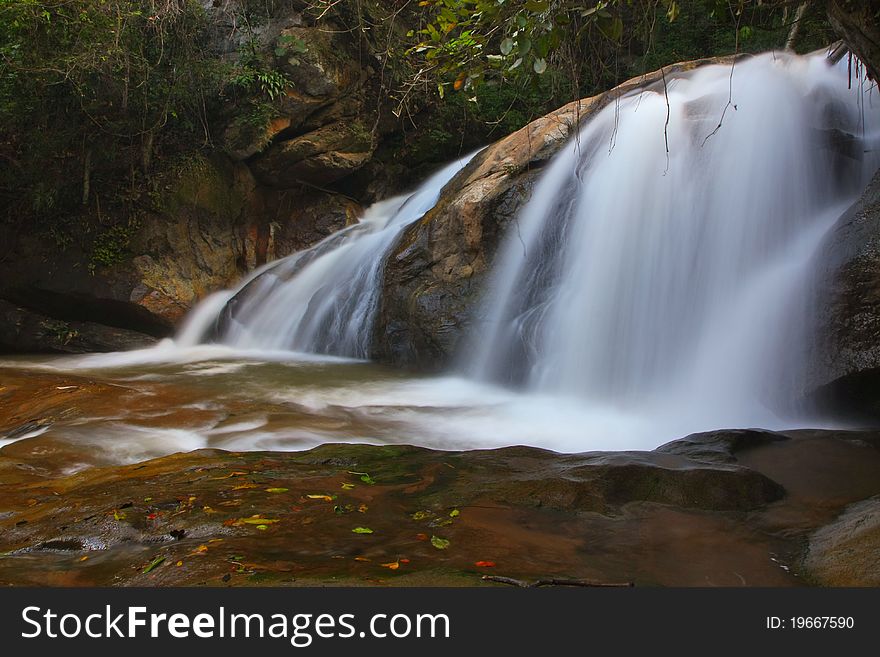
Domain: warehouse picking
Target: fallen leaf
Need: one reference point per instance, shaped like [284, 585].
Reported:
[277, 490]
[340, 509]
[231, 474]
[326, 498]
[362, 559]
[179, 563]
[243, 486]
[439, 543]
[362, 530]
[208, 509]
[155, 563]
[118, 515]
[422, 537]
[454, 513]
[367, 479]
[363, 508]
[256, 521]
[421, 515]
[85, 558]
[404, 561]
[148, 499]
[394, 565]
[262, 527]
[347, 486]
[199, 550]
[485, 564]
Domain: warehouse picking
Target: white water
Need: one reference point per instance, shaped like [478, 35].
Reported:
[323, 299]
[672, 286]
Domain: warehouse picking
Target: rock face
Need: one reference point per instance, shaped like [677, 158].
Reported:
[260, 196]
[845, 367]
[434, 276]
[844, 552]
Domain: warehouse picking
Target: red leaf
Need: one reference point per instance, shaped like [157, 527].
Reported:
[485, 564]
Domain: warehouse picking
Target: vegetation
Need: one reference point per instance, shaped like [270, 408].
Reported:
[99, 97]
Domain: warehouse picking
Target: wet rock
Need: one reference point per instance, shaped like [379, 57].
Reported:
[844, 375]
[844, 553]
[22, 330]
[720, 446]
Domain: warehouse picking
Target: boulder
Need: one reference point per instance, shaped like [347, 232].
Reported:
[434, 275]
[844, 552]
[22, 330]
[844, 368]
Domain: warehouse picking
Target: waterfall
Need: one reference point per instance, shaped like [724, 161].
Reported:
[322, 299]
[660, 265]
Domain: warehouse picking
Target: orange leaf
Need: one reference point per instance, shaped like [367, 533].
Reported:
[362, 559]
[422, 537]
[485, 564]
[394, 565]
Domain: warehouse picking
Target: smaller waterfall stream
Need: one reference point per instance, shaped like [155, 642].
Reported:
[323, 299]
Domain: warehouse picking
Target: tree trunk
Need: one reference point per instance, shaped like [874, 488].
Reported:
[858, 24]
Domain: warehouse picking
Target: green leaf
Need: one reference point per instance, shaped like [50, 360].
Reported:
[506, 46]
[537, 6]
[258, 521]
[524, 44]
[276, 490]
[155, 563]
[439, 543]
[454, 513]
[367, 479]
[540, 66]
[362, 530]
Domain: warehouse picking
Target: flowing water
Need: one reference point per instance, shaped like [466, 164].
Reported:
[654, 285]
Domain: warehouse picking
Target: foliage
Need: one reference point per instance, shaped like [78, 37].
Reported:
[465, 44]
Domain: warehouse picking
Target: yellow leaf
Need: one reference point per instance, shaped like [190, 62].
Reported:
[326, 498]
[85, 558]
[257, 521]
[394, 565]
[243, 486]
[276, 490]
[363, 508]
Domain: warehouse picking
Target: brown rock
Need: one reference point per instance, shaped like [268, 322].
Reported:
[434, 276]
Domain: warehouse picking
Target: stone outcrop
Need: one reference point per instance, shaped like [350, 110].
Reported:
[26, 331]
[845, 366]
[435, 274]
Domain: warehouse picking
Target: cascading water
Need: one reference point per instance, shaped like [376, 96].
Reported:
[660, 265]
[323, 299]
